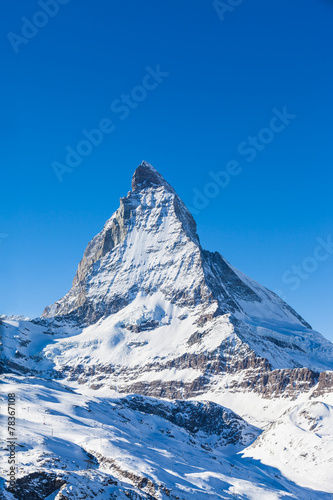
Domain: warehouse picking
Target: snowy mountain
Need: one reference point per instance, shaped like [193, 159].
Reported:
[150, 245]
[169, 315]
[161, 341]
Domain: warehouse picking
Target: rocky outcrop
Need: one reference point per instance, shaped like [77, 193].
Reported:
[36, 486]
[277, 383]
[250, 373]
[325, 384]
[150, 489]
[194, 416]
[269, 384]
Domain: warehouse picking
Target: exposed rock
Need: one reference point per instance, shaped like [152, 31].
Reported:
[325, 384]
[36, 486]
[152, 490]
[276, 383]
[194, 416]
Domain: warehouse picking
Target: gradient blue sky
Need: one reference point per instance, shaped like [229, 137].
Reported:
[224, 80]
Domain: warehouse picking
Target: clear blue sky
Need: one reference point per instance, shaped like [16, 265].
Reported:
[225, 78]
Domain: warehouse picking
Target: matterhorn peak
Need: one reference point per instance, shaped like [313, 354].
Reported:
[150, 245]
[146, 176]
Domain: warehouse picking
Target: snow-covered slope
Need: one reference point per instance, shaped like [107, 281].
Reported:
[300, 445]
[79, 446]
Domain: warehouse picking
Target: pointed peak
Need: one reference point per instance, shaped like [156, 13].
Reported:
[147, 176]
[148, 166]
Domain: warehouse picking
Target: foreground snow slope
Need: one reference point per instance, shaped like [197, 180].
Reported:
[300, 445]
[104, 447]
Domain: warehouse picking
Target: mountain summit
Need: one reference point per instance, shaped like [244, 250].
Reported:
[146, 176]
